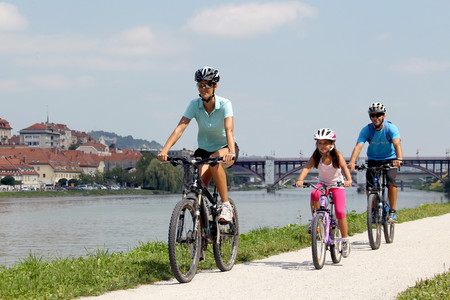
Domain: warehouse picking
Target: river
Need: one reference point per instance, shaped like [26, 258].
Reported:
[74, 226]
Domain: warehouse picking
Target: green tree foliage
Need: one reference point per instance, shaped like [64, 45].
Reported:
[85, 179]
[8, 180]
[164, 176]
[62, 182]
[447, 187]
[74, 181]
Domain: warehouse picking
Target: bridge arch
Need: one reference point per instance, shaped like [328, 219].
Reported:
[434, 166]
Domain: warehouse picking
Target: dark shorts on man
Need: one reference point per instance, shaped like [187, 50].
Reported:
[390, 175]
[204, 154]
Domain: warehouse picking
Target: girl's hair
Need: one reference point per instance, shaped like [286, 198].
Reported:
[334, 157]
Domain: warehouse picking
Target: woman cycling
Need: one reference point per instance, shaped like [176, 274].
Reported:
[330, 163]
[214, 116]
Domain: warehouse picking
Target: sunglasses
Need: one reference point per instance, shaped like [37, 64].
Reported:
[205, 85]
[376, 115]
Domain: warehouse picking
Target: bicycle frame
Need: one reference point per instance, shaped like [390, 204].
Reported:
[328, 213]
[379, 188]
[195, 223]
[199, 189]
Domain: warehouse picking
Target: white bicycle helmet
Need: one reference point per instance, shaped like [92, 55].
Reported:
[325, 134]
[377, 108]
[207, 74]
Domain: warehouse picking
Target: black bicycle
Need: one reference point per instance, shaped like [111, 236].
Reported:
[195, 224]
[377, 207]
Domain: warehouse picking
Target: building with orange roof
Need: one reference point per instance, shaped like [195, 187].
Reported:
[40, 135]
[20, 171]
[51, 164]
[88, 162]
[5, 132]
[94, 148]
[125, 159]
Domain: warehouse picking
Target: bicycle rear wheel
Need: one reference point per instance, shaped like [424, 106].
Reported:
[373, 221]
[225, 251]
[318, 244]
[336, 248]
[184, 242]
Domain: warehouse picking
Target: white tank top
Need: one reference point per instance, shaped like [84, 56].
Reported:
[328, 174]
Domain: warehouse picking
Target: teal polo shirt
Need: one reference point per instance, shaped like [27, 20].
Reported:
[211, 127]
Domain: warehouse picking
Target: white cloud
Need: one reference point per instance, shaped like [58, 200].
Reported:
[60, 82]
[420, 66]
[84, 62]
[135, 41]
[10, 18]
[239, 21]
[384, 36]
[8, 85]
[36, 45]
[50, 82]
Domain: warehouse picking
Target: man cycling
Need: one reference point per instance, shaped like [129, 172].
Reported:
[384, 147]
[214, 116]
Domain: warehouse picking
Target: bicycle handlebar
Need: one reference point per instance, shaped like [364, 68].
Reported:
[385, 166]
[308, 184]
[212, 161]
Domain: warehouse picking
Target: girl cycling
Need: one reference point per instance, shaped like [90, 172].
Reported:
[330, 163]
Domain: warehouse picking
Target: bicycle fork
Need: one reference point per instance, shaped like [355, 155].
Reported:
[326, 219]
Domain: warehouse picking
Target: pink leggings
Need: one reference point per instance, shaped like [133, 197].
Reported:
[338, 198]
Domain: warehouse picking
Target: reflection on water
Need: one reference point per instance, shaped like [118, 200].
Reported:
[73, 226]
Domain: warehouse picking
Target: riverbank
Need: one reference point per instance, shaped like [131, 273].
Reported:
[67, 193]
[103, 271]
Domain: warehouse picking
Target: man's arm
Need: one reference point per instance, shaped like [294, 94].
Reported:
[355, 154]
[398, 151]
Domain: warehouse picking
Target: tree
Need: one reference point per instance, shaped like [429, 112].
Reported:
[8, 180]
[447, 187]
[164, 176]
[85, 178]
[62, 182]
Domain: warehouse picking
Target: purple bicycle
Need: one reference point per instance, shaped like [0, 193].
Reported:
[325, 232]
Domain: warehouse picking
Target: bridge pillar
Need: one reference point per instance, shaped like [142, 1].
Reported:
[269, 172]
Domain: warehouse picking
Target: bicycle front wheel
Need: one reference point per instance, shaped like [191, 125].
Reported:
[225, 251]
[318, 243]
[389, 229]
[184, 242]
[336, 248]
[373, 221]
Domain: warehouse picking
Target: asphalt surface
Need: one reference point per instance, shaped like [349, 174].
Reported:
[420, 250]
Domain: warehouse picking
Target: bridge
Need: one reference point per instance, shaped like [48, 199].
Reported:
[272, 170]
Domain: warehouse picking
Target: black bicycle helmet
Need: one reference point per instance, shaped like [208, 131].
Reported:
[207, 74]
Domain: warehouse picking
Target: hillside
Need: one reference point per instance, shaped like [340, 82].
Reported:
[127, 142]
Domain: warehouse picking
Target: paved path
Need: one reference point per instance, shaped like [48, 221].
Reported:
[420, 250]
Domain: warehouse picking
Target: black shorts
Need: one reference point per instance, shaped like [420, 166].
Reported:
[204, 154]
[390, 175]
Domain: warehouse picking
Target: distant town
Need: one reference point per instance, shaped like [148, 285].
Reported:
[44, 153]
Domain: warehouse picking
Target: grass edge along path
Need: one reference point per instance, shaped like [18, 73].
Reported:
[101, 271]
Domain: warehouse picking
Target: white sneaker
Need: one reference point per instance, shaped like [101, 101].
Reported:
[227, 212]
[346, 247]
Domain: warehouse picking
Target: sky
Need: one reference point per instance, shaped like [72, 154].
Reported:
[288, 67]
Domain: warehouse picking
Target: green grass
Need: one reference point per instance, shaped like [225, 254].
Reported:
[101, 271]
[435, 288]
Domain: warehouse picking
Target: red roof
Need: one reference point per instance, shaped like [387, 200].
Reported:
[126, 155]
[37, 126]
[4, 124]
[96, 145]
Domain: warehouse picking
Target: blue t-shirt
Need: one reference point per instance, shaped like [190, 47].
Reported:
[380, 148]
[211, 127]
